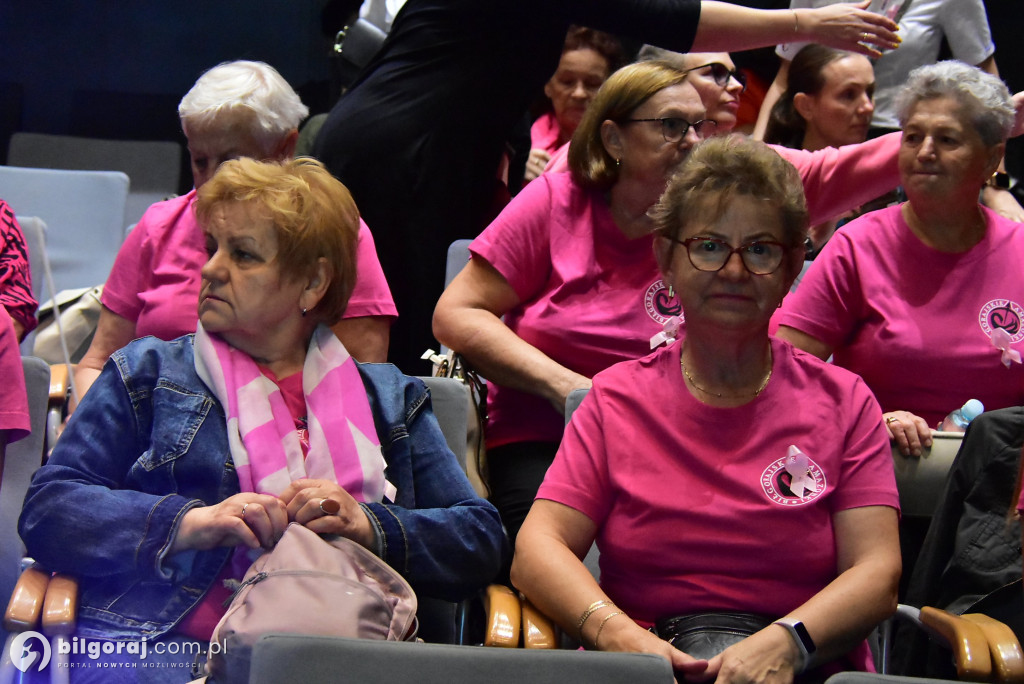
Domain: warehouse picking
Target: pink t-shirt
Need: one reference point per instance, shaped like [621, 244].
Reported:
[835, 179]
[544, 133]
[155, 279]
[589, 296]
[14, 416]
[693, 503]
[914, 322]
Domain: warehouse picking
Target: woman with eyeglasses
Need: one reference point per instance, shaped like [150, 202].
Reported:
[563, 283]
[702, 472]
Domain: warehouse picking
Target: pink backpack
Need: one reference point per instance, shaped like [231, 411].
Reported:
[311, 585]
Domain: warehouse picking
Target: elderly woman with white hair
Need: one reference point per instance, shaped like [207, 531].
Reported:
[924, 300]
[236, 109]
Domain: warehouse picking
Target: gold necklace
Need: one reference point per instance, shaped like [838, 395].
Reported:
[764, 383]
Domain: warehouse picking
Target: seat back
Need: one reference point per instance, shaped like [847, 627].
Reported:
[458, 257]
[153, 166]
[21, 460]
[572, 402]
[84, 215]
[449, 399]
[921, 481]
[294, 658]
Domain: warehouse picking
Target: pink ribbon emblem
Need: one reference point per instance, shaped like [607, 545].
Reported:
[797, 467]
[668, 333]
[1001, 341]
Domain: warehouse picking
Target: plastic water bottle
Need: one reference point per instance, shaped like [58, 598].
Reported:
[958, 420]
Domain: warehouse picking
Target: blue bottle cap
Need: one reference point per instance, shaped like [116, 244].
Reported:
[972, 409]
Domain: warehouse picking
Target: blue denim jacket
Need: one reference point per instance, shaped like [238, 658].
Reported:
[149, 443]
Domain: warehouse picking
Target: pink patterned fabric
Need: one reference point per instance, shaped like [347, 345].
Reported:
[343, 443]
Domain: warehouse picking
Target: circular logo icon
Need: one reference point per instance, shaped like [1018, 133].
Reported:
[1003, 314]
[659, 305]
[23, 656]
[779, 483]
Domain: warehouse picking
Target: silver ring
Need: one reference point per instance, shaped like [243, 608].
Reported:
[243, 510]
[334, 507]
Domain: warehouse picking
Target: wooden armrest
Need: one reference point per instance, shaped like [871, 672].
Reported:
[59, 382]
[26, 604]
[538, 629]
[60, 606]
[1004, 649]
[504, 617]
[966, 641]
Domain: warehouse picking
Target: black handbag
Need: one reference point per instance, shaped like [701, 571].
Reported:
[705, 635]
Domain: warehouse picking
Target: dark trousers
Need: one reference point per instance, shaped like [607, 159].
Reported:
[515, 472]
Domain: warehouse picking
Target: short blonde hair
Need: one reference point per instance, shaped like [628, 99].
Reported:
[618, 98]
[720, 169]
[313, 214]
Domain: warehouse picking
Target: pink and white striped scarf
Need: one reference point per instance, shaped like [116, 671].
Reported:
[264, 444]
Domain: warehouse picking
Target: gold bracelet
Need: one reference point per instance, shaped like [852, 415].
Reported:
[608, 617]
[796, 21]
[593, 608]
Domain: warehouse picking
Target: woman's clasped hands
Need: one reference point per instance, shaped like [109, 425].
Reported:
[259, 520]
[767, 657]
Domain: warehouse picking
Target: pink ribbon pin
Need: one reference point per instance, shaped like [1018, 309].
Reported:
[797, 466]
[668, 333]
[1001, 341]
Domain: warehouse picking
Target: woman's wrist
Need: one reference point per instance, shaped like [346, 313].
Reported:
[610, 630]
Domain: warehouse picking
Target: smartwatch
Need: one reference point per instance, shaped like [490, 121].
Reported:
[803, 640]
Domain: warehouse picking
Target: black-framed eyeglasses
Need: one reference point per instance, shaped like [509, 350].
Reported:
[674, 129]
[760, 257]
[721, 74]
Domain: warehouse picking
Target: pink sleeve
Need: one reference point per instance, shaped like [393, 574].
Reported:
[837, 180]
[14, 406]
[579, 476]
[867, 472]
[827, 304]
[559, 162]
[1020, 502]
[517, 243]
[371, 295]
[128, 276]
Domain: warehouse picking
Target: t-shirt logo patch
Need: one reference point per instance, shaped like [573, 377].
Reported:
[659, 305]
[793, 480]
[1005, 315]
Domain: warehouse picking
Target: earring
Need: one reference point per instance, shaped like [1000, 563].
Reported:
[671, 292]
[303, 312]
[618, 163]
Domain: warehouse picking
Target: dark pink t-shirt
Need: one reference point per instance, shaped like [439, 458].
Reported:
[155, 279]
[589, 296]
[693, 503]
[914, 322]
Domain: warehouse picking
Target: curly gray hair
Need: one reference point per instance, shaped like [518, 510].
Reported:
[985, 99]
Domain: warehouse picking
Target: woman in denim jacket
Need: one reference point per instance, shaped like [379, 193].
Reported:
[186, 457]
